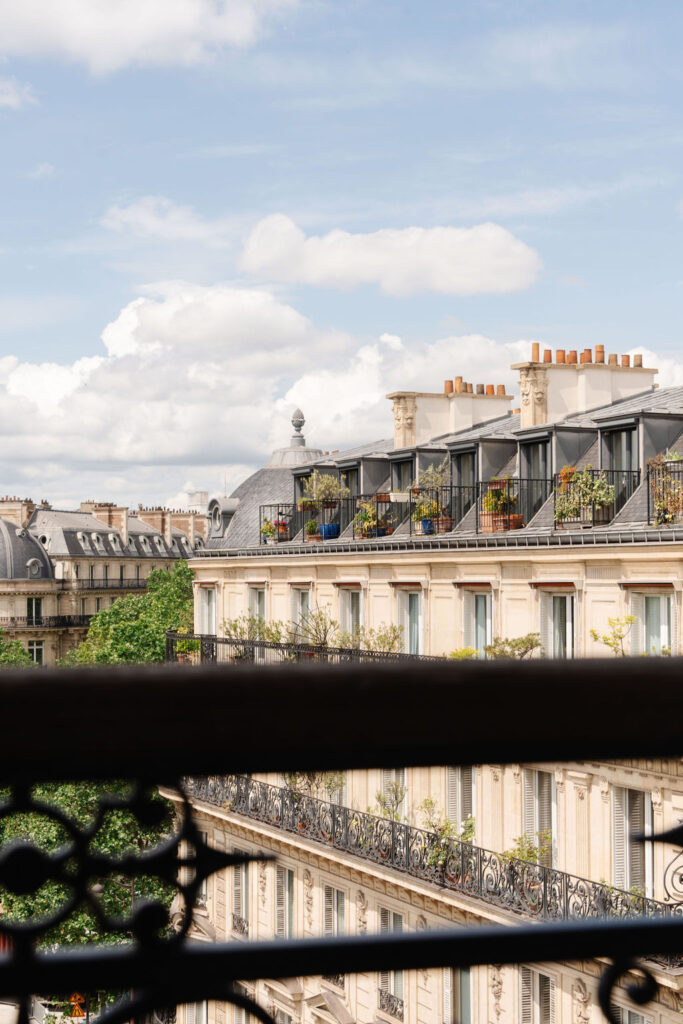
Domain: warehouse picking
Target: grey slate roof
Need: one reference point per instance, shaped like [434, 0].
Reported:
[502, 427]
[22, 557]
[374, 447]
[70, 534]
[264, 487]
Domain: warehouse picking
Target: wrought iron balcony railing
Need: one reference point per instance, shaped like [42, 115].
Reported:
[204, 648]
[506, 882]
[391, 1004]
[335, 979]
[591, 497]
[665, 493]
[313, 714]
[45, 622]
[240, 925]
[101, 584]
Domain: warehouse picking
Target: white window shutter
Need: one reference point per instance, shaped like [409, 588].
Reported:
[453, 795]
[551, 999]
[191, 1013]
[526, 996]
[341, 913]
[468, 631]
[546, 623]
[571, 632]
[619, 837]
[466, 792]
[673, 624]
[237, 894]
[636, 826]
[239, 1015]
[384, 926]
[448, 996]
[280, 902]
[387, 779]
[638, 627]
[529, 802]
[648, 848]
[329, 910]
[489, 619]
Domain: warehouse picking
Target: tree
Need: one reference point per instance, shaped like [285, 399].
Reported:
[134, 628]
[12, 654]
[619, 629]
[120, 833]
[517, 647]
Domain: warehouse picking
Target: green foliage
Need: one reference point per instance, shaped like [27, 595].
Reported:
[462, 653]
[446, 831]
[666, 489]
[119, 833]
[366, 518]
[324, 487]
[435, 477]
[134, 628]
[619, 629]
[253, 627]
[390, 802]
[268, 529]
[316, 784]
[499, 498]
[517, 647]
[12, 653]
[384, 639]
[312, 528]
[532, 848]
[577, 494]
[425, 509]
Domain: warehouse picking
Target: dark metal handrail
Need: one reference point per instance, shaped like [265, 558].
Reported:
[665, 493]
[569, 508]
[44, 621]
[115, 583]
[190, 648]
[509, 883]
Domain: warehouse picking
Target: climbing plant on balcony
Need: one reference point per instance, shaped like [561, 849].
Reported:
[666, 488]
[579, 491]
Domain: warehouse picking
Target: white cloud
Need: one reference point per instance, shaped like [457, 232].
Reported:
[453, 261]
[156, 217]
[14, 95]
[108, 36]
[44, 170]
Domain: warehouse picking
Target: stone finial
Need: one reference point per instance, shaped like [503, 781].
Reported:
[298, 421]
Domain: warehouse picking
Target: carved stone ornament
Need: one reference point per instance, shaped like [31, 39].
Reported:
[656, 796]
[362, 911]
[308, 897]
[262, 882]
[405, 409]
[604, 789]
[496, 986]
[516, 772]
[559, 779]
[580, 1003]
[533, 386]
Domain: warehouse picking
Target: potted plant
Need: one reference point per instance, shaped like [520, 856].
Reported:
[582, 495]
[322, 489]
[312, 530]
[366, 522]
[666, 488]
[268, 531]
[424, 515]
[497, 508]
[282, 528]
[382, 496]
[329, 531]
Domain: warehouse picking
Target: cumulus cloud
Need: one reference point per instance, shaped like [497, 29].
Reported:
[108, 36]
[156, 217]
[454, 261]
[14, 95]
[44, 170]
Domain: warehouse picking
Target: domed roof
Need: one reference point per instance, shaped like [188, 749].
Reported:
[297, 453]
[22, 557]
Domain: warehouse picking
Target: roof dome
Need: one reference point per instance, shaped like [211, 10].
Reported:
[297, 453]
[22, 557]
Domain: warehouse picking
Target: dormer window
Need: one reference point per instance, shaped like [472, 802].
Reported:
[97, 541]
[144, 544]
[160, 545]
[83, 541]
[114, 541]
[402, 475]
[33, 566]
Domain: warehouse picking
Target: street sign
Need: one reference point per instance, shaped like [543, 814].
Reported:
[75, 1000]
[76, 997]
[76, 1011]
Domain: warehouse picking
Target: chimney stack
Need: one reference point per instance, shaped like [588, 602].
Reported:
[599, 353]
[612, 359]
[547, 355]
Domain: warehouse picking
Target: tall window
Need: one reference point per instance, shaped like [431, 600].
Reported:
[390, 981]
[631, 860]
[536, 469]
[653, 631]
[334, 911]
[459, 794]
[34, 609]
[203, 890]
[537, 812]
[537, 1002]
[91, 573]
[83, 606]
[394, 792]
[240, 898]
[301, 604]
[257, 602]
[352, 478]
[122, 573]
[350, 610]
[207, 610]
[36, 651]
[457, 999]
[410, 619]
[477, 611]
[197, 1013]
[137, 573]
[557, 625]
[624, 1016]
[106, 574]
[402, 475]
[284, 903]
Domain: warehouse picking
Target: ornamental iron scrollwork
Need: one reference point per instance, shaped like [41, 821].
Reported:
[182, 861]
[639, 993]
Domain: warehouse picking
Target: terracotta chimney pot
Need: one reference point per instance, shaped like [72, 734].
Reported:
[612, 359]
[458, 385]
[582, 357]
[480, 389]
[517, 412]
[535, 352]
[572, 356]
[448, 387]
[469, 388]
[599, 353]
[560, 355]
[490, 390]
[547, 355]
[625, 360]
[638, 359]
[500, 389]
[588, 353]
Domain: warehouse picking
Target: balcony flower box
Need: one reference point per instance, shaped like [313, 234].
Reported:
[399, 496]
[382, 496]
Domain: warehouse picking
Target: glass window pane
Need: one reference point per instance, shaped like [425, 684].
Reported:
[559, 626]
[653, 625]
[413, 623]
[480, 638]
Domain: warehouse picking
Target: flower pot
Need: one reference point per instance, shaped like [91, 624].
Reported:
[312, 538]
[307, 505]
[514, 521]
[427, 526]
[283, 532]
[402, 496]
[269, 540]
[330, 503]
[390, 530]
[329, 531]
[444, 524]
[382, 496]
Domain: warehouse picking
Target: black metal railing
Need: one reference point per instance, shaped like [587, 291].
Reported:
[591, 497]
[390, 1004]
[665, 493]
[205, 648]
[44, 621]
[335, 979]
[114, 583]
[509, 503]
[498, 879]
[240, 925]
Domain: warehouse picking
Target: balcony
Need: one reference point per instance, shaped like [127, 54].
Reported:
[204, 648]
[45, 622]
[390, 1004]
[102, 584]
[507, 883]
[665, 493]
[240, 926]
[591, 497]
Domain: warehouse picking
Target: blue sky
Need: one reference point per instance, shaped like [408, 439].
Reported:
[172, 173]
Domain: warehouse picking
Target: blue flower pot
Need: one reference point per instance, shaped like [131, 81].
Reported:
[329, 531]
[428, 526]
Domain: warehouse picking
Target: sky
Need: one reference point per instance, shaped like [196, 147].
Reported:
[216, 210]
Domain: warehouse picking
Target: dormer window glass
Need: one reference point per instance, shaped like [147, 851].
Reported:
[402, 475]
[352, 478]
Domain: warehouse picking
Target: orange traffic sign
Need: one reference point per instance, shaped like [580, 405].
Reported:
[76, 1011]
[76, 997]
